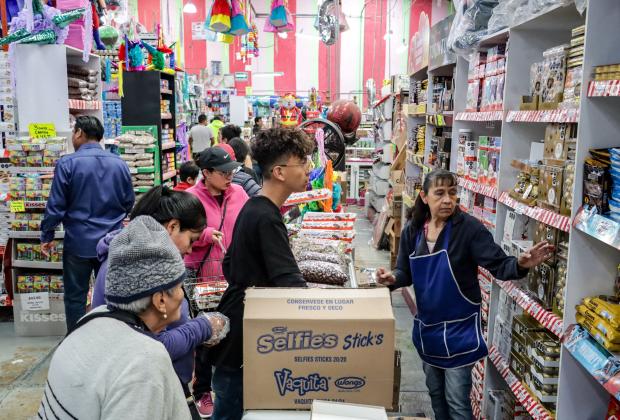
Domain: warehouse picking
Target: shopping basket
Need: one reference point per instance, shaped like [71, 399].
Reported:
[205, 291]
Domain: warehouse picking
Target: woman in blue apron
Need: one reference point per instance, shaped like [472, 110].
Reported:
[440, 251]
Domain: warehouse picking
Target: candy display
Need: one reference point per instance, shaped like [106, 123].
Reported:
[27, 251]
[320, 217]
[37, 283]
[112, 119]
[486, 78]
[323, 272]
[442, 95]
[28, 152]
[597, 181]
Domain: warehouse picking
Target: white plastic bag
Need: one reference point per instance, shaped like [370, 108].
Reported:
[503, 14]
[469, 25]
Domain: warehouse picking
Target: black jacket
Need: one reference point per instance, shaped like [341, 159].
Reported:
[471, 245]
[247, 182]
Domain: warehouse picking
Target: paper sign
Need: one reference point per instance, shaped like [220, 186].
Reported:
[17, 206]
[42, 131]
[35, 301]
[248, 90]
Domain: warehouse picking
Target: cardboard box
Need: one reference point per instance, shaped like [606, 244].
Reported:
[306, 344]
[327, 410]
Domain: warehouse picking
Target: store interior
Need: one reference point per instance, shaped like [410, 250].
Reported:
[517, 98]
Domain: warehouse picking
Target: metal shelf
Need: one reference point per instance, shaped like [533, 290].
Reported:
[41, 265]
[33, 234]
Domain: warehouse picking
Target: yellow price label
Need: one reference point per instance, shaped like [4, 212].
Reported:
[17, 206]
[248, 90]
[42, 131]
[440, 121]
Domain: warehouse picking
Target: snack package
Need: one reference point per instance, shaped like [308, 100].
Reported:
[550, 187]
[320, 256]
[596, 185]
[317, 245]
[596, 334]
[554, 70]
[329, 225]
[607, 307]
[323, 272]
[536, 78]
[320, 216]
[593, 320]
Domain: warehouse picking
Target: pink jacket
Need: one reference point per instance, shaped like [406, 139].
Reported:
[234, 199]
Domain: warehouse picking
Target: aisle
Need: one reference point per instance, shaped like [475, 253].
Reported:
[414, 398]
[24, 360]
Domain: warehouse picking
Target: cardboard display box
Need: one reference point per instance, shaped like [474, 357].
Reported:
[306, 344]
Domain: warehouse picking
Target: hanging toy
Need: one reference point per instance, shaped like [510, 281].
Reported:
[238, 23]
[220, 16]
[289, 113]
[277, 17]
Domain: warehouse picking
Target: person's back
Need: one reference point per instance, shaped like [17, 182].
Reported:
[91, 195]
[247, 182]
[108, 370]
[215, 126]
[200, 135]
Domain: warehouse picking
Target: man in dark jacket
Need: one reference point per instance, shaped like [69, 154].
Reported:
[240, 177]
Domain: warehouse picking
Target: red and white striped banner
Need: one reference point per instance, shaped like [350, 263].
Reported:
[84, 105]
[487, 190]
[546, 318]
[529, 402]
[542, 215]
[604, 88]
[544, 116]
[480, 116]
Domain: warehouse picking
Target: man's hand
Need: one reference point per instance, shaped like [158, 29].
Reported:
[385, 277]
[534, 256]
[46, 248]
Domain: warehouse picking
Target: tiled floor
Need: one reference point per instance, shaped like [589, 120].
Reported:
[24, 360]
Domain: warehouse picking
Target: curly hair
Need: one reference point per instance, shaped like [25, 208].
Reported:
[271, 145]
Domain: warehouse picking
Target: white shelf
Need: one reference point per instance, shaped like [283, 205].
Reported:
[42, 265]
[36, 234]
[30, 170]
[542, 215]
[598, 227]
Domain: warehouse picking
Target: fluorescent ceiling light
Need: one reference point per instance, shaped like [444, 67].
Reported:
[268, 74]
[190, 8]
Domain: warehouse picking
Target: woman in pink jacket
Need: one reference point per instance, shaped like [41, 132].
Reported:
[222, 201]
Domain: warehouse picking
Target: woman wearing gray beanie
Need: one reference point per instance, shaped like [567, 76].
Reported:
[110, 366]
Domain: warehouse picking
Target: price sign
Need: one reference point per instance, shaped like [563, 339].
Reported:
[17, 206]
[248, 90]
[35, 301]
[42, 131]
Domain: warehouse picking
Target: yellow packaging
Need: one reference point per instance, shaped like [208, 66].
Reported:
[598, 335]
[611, 333]
[607, 307]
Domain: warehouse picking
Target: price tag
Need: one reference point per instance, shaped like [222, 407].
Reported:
[17, 206]
[440, 121]
[42, 131]
[35, 301]
[248, 90]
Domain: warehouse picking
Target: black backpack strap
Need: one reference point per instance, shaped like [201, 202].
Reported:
[127, 317]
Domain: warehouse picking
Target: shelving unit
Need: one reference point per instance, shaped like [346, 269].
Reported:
[142, 106]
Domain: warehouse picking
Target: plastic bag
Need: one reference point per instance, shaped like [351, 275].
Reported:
[503, 14]
[469, 25]
[581, 6]
[220, 326]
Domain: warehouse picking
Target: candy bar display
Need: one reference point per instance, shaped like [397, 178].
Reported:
[442, 95]
[600, 316]
[320, 217]
[441, 143]
[27, 251]
[597, 181]
[112, 119]
[418, 92]
[486, 78]
[36, 283]
[574, 69]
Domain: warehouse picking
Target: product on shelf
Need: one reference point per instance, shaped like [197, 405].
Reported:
[112, 119]
[600, 316]
[441, 143]
[553, 75]
[82, 82]
[28, 152]
[27, 251]
[137, 150]
[37, 283]
[597, 181]
[443, 94]
[526, 188]
[417, 92]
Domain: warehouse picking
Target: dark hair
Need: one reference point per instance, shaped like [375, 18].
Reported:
[273, 144]
[257, 119]
[230, 131]
[216, 118]
[240, 147]
[90, 126]
[164, 204]
[188, 170]
[202, 118]
[421, 212]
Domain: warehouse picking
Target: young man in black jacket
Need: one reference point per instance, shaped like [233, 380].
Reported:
[259, 254]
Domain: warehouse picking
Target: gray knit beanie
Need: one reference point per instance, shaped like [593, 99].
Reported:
[142, 260]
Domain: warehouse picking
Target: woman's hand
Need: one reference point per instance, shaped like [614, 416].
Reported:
[217, 236]
[537, 254]
[220, 326]
[385, 277]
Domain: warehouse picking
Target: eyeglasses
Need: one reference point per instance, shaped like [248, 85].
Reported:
[228, 174]
[304, 163]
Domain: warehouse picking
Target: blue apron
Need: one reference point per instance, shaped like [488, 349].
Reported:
[446, 330]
